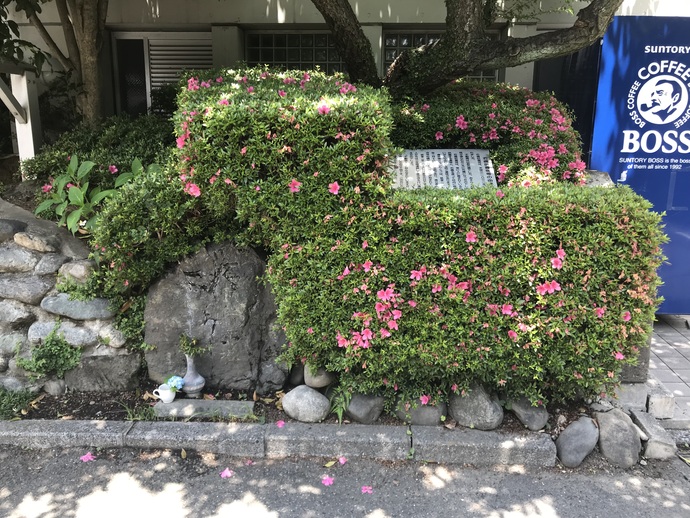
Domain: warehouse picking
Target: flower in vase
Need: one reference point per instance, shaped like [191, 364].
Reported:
[175, 383]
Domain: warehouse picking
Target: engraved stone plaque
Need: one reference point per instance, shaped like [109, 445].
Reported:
[444, 168]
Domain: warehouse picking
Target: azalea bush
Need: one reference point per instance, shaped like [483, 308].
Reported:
[544, 292]
[529, 134]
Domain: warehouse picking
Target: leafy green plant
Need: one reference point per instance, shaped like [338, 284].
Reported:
[74, 202]
[12, 403]
[191, 347]
[139, 412]
[53, 357]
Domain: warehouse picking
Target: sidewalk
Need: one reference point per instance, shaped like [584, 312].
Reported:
[669, 363]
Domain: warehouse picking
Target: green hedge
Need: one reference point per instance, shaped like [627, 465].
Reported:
[530, 134]
[116, 142]
[543, 292]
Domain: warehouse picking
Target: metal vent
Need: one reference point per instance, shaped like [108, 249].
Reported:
[168, 57]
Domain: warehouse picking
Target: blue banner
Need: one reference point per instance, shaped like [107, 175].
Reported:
[642, 130]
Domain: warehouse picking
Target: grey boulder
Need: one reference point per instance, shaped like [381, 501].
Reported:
[577, 441]
[619, 440]
[476, 409]
[306, 404]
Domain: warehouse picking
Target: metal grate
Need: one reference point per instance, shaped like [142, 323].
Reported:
[395, 42]
[293, 50]
[169, 57]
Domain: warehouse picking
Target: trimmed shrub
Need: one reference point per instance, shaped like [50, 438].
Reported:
[543, 292]
[116, 142]
[281, 149]
[529, 134]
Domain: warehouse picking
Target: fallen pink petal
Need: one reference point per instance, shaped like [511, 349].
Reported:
[87, 458]
[226, 473]
[367, 489]
[342, 460]
[327, 481]
[280, 424]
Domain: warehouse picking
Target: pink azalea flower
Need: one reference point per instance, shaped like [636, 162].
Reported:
[385, 295]
[367, 265]
[560, 253]
[112, 169]
[327, 481]
[310, 330]
[471, 237]
[224, 102]
[367, 335]
[619, 355]
[219, 79]
[46, 188]
[226, 473]
[365, 244]
[392, 324]
[192, 189]
[333, 188]
[282, 93]
[295, 185]
[250, 89]
[367, 489]
[384, 333]
[280, 423]
[499, 193]
[412, 303]
[507, 309]
[439, 135]
[88, 457]
[461, 123]
[556, 263]
[436, 288]
[425, 107]
[627, 316]
[324, 109]
[243, 151]
[424, 399]
[342, 460]
[600, 312]
[513, 335]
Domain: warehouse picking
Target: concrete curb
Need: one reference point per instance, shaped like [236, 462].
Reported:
[387, 443]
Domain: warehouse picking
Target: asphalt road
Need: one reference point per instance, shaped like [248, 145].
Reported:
[127, 483]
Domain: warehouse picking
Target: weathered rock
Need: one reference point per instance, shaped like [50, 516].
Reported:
[297, 374]
[319, 379]
[602, 405]
[577, 441]
[365, 409]
[619, 442]
[106, 332]
[9, 227]
[105, 373]
[50, 263]
[477, 409]
[37, 242]
[10, 342]
[306, 404]
[73, 334]
[659, 443]
[214, 297]
[55, 387]
[272, 377]
[534, 418]
[25, 288]
[15, 313]
[77, 271]
[14, 384]
[4, 362]
[16, 259]
[61, 304]
[421, 415]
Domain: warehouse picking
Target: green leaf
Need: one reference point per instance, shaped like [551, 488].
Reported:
[60, 210]
[99, 196]
[123, 179]
[73, 221]
[76, 196]
[137, 168]
[73, 164]
[44, 205]
[84, 169]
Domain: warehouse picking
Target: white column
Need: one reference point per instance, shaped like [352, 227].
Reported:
[29, 138]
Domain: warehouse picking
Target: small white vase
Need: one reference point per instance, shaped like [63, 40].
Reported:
[193, 381]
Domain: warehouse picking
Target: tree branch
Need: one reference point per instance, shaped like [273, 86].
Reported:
[38, 24]
[424, 70]
[70, 38]
[350, 42]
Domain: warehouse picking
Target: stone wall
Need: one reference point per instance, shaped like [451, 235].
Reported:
[33, 255]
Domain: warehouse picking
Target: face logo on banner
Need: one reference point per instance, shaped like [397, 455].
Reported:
[658, 101]
[662, 99]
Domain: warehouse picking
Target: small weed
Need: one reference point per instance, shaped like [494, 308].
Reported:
[12, 403]
[139, 413]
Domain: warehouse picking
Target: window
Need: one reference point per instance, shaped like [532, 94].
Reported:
[395, 42]
[301, 50]
[147, 61]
